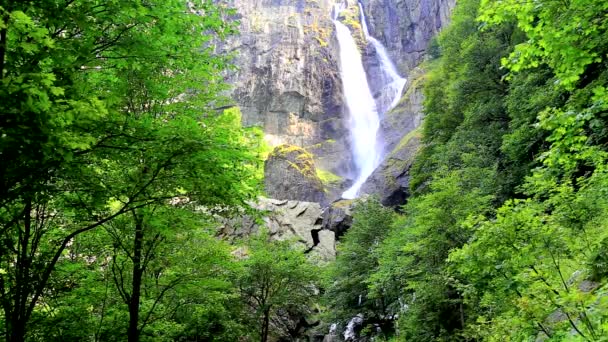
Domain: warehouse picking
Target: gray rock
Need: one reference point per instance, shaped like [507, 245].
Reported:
[288, 79]
[588, 286]
[390, 181]
[297, 221]
[338, 217]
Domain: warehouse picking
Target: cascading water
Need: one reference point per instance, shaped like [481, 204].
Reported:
[363, 111]
[395, 83]
[364, 122]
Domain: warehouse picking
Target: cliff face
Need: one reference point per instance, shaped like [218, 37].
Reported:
[288, 79]
[406, 27]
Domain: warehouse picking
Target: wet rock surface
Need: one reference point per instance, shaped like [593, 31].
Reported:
[390, 181]
[399, 129]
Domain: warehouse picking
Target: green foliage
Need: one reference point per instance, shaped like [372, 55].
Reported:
[348, 290]
[566, 36]
[279, 285]
[464, 99]
[108, 112]
[504, 238]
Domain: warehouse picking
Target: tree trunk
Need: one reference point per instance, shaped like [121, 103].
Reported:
[3, 45]
[19, 314]
[133, 333]
[17, 332]
[265, 325]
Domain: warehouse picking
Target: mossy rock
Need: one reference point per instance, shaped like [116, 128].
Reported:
[290, 174]
[328, 177]
[390, 181]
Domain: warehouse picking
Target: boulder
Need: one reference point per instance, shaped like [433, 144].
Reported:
[300, 222]
[338, 217]
[290, 174]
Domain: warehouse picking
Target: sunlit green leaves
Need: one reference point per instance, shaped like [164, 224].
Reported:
[568, 36]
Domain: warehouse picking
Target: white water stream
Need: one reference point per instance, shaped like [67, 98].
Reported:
[364, 122]
[364, 119]
[396, 83]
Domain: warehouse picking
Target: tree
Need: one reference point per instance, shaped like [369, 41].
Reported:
[566, 36]
[277, 281]
[105, 111]
[348, 291]
[529, 262]
[165, 260]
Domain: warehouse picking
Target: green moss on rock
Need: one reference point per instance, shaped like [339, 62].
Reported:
[290, 173]
[328, 177]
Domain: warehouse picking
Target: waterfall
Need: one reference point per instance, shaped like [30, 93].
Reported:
[363, 116]
[394, 87]
[363, 111]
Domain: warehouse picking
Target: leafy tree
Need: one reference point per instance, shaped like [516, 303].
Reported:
[529, 263]
[277, 282]
[566, 36]
[415, 253]
[347, 289]
[106, 109]
[165, 263]
[187, 290]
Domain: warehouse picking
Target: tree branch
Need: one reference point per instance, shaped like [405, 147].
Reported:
[51, 265]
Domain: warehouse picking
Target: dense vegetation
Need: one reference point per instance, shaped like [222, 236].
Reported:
[117, 161]
[505, 236]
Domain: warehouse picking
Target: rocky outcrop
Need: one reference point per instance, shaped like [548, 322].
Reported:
[338, 217]
[288, 79]
[290, 174]
[406, 27]
[407, 115]
[298, 221]
[390, 181]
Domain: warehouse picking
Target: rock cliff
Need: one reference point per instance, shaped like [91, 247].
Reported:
[288, 79]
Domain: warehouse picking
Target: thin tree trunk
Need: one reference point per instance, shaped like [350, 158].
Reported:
[19, 317]
[265, 325]
[3, 44]
[17, 333]
[461, 307]
[133, 333]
